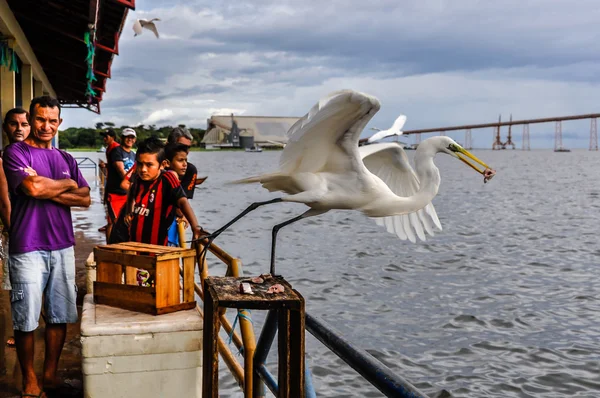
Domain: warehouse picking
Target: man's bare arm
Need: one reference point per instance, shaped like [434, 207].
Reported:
[125, 184]
[120, 166]
[4, 199]
[46, 188]
[77, 197]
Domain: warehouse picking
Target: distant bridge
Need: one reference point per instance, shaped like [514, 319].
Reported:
[498, 144]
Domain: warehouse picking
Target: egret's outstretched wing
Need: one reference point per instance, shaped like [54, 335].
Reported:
[137, 27]
[399, 123]
[315, 140]
[396, 129]
[389, 162]
[150, 25]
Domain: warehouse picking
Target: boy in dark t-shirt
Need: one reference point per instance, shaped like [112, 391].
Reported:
[176, 162]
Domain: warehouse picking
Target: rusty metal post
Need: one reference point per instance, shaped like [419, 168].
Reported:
[593, 135]
[558, 136]
[210, 355]
[526, 142]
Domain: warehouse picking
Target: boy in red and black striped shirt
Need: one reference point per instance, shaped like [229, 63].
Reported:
[155, 196]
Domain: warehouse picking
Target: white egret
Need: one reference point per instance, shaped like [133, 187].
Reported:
[396, 130]
[140, 24]
[321, 166]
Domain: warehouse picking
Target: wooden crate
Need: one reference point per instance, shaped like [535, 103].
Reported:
[116, 284]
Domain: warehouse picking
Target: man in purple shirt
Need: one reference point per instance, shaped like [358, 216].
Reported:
[44, 183]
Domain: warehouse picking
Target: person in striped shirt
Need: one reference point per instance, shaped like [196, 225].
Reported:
[154, 197]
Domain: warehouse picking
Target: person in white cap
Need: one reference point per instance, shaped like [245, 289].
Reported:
[120, 160]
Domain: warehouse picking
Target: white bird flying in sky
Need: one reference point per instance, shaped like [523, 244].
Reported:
[322, 167]
[396, 129]
[140, 24]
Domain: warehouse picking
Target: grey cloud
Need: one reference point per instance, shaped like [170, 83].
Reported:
[151, 92]
[195, 90]
[456, 40]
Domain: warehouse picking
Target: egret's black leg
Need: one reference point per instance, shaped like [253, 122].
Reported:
[253, 206]
[276, 229]
[201, 254]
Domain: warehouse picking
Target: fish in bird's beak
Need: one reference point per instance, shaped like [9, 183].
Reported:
[462, 154]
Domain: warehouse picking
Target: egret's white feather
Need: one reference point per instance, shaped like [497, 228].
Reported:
[137, 27]
[396, 129]
[141, 24]
[389, 162]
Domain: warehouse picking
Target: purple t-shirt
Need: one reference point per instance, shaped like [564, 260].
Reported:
[39, 224]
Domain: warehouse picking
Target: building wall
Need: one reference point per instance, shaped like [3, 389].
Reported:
[18, 89]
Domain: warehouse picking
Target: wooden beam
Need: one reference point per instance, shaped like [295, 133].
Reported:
[26, 85]
[114, 50]
[38, 88]
[50, 27]
[7, 93]
[127, 3]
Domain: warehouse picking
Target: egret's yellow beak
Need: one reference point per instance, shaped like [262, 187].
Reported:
[463, 154]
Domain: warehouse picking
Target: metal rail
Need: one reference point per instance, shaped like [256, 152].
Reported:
[499, 124]
[87, 163]
[376, 373]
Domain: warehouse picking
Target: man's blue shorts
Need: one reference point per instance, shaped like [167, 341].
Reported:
[47, 274]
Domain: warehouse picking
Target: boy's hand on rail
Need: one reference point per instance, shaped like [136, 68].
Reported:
[198, 232]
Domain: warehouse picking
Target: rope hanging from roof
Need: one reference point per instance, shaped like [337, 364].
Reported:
[8, 57]
[89, 59]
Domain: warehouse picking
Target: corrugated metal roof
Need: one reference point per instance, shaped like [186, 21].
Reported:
[55, 30]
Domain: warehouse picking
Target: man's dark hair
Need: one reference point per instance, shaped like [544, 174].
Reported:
[179, 132]
[44, 101]
[15, 111]
[109, 132]
[151, 144]
[173, 149]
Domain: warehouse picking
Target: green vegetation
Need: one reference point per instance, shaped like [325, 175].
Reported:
[89, 139]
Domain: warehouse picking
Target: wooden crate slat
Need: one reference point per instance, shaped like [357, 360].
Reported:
[167, 283]
[170, 256]
[109, 272]
[128, 259]
[175, 308]
[148, 247]
[135, 298]
[188, 274]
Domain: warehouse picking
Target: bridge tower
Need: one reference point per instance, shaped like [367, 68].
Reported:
[558, 136]
[468, 139]
[509, 139]
[497, 141]
[593, 135]
[526, 146]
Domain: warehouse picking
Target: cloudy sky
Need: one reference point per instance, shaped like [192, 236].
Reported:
[440, 62]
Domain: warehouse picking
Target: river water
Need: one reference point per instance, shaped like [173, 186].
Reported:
[504, 302]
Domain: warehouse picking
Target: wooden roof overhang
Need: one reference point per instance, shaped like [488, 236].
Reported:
[75, 42]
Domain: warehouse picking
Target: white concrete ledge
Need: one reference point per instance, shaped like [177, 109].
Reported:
[105, 320]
